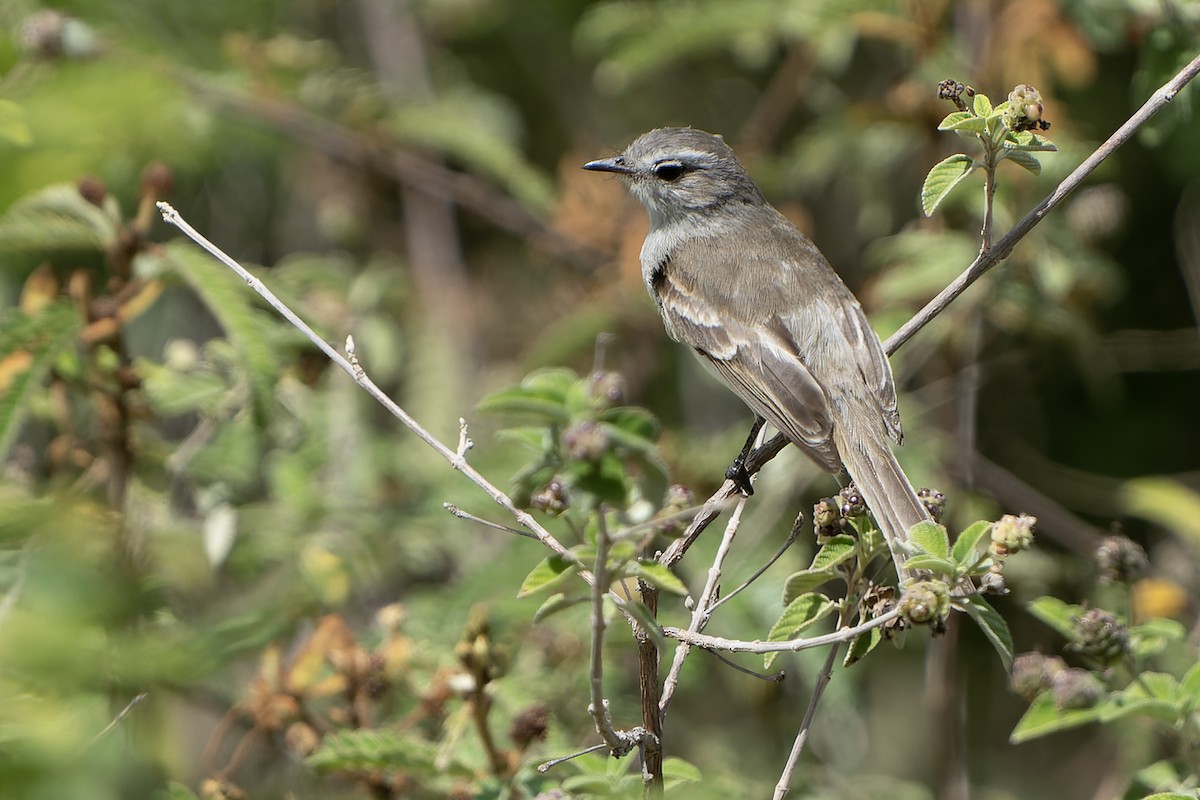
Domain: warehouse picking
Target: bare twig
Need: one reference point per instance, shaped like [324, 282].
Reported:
[758, 573]
[619, 743]
[1001, 250]
[760, 647]
[823, 678]
[554, 762]
[119, 718]
[704, 604]
[355, 371]
[458, 512]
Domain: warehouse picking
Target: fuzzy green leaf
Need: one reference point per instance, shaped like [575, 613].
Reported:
[836, 550]
[677, 772]
[1043, 717]
[555, 603]
[994, 628]
[57, 218]
[861, 646]
[1030, 141]
[1057, 614]
[934, 564]
[801, 613]
[29, 345]
[1153, 694]
[1023, 159]
[1152, 636]
[942, 179]
[963, 121]
[658, 575]
[246, 327]
[550, 572]
[804, 581]
[931, 538]
[982, 105]
[967, 543]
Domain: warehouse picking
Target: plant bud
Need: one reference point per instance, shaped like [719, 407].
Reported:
[926, 603]
[1012, 535]
[852, 503]
[608, 388]
[586, 441]
[1121, 560]
[1100, 635]
[827, 518]
[552, 498]
[1075, 689]
[934, 502]
[1033, 673]
[92, 189]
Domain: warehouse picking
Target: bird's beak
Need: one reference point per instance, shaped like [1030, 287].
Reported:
[615, 164]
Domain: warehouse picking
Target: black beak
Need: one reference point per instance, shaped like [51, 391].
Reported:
[615, 164]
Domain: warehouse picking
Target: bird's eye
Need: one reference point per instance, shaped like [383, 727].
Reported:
[668, 170]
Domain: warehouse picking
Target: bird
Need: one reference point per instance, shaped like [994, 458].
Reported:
[760, 305]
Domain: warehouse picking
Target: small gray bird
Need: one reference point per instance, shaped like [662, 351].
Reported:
[754, 297]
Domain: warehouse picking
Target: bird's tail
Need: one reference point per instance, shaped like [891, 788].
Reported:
[884, 486]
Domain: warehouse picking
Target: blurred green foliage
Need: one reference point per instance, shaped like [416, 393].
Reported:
[188, 490]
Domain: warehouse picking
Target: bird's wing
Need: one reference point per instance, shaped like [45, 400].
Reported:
[761, 363]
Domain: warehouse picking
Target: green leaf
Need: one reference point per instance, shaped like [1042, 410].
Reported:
[800, 614]
[1030, 141]
[836, 550]
[634, 422]
[1170, 796]
[931, 538]
[171, 393]
[549, 573]
[1057, 614]
[942, 179]
[29, 345]
[54, 219]
[994, 628]
[13, 126]
[861, 646]
[982, 105]
[658, 575]
[374, 749]
[1152, 636]
[1167, 502]
[1043, 717]
[934, 564]
[1189, 686]
[1153, 694]
[804, 581]
[967, 542]
[677, 772]
[555, 603]
[233, 305]
[519, 400]
[1023, 159]
[963, 121]
[640, 612]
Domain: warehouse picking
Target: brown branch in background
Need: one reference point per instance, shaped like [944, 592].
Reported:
[777, 101]
[403, 166]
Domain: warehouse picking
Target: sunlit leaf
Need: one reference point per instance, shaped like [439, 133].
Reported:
[931, 538]
[942, 179]
[1057, 614]
[1043, 717]
[967, 542]
[994, 628]
[804, 581]
[550, 572]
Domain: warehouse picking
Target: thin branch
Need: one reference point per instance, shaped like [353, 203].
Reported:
[760, 647]
[119, 718]
[704, 603]
[554, 762]
[823, 678]
[618, 745]
[354, 370]
[783, 548]
[458, 512]
[1001, 250]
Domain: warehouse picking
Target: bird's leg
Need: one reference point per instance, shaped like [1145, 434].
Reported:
[737, 470]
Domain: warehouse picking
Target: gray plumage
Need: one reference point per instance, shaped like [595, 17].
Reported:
[755, 298]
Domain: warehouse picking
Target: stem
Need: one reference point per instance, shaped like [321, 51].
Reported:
[994, 255]
[823, 678]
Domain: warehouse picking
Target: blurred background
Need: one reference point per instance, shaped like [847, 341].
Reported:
[196, 508]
